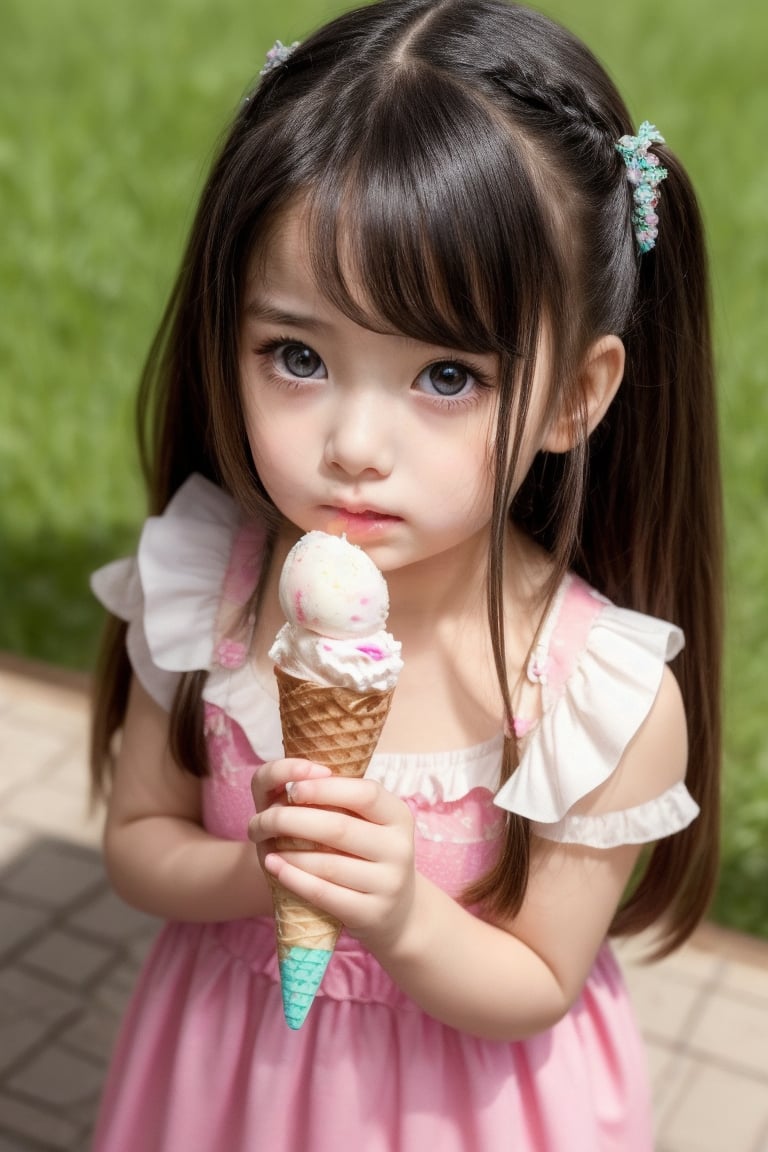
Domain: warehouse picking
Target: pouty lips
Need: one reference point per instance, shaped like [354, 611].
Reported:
[360, 522]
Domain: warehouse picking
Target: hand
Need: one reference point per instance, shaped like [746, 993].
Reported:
[360, 867]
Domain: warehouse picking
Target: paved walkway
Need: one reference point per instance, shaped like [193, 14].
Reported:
[69, 952]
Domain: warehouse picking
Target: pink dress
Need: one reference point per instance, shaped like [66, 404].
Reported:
[205, 1061]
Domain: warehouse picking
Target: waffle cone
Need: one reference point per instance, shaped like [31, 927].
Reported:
[340, 728]
[337, 727]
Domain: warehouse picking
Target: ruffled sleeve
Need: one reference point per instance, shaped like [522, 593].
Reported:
[600, 669]
[169, 594]
[661, 816]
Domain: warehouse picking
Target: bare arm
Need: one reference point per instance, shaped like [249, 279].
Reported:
[509, 982]
[158, 856]
[502, 982]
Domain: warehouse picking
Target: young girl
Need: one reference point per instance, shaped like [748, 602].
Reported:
[441, 296]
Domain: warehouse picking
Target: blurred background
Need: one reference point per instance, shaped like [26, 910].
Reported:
[109, 116]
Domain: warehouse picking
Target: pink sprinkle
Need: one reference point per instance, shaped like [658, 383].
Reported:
[300, 613]
[372, 651]
[365, 599]
[355, 618]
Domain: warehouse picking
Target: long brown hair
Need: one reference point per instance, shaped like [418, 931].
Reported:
[460, 156]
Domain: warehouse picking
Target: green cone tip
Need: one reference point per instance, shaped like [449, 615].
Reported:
[301, 973]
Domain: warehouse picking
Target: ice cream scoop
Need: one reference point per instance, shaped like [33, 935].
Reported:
[333, 588]
[336, 603]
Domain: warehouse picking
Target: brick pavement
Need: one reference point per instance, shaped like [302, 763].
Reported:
[70, 951]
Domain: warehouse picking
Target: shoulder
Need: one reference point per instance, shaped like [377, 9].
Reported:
[195, 563]
[664, 729]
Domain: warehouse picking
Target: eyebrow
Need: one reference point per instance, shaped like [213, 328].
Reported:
[257, 309]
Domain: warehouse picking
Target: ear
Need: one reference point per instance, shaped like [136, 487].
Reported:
[599, 378]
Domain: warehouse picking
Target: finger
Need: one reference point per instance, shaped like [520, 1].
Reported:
[262, 830]
[286, 828]
[268, 783]
[364, 798]
[335, 830]
[330, 830]
[342, 901]
[338, 869]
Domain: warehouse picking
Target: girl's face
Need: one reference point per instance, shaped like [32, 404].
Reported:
[379, 436]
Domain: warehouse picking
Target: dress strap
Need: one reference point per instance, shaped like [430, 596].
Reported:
[564, 634]
[234, 622]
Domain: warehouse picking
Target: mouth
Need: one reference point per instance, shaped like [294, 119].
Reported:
[358, 521]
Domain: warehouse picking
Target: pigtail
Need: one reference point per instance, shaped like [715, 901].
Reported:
[652, 532]
[648, 534]
[112, 678]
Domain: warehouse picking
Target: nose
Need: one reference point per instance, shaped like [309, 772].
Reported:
[360, 436]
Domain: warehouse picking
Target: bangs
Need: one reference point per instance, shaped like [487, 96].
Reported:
[425, 221]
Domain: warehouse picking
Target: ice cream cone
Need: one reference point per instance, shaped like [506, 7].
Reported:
[340, 728]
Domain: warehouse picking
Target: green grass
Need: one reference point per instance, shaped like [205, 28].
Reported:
[108, 117]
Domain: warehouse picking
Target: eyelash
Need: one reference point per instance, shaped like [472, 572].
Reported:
[481, 378]
[265, 352]
[453, 403]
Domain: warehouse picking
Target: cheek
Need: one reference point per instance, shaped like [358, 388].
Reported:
[462, 484]
[281, 454]
[264, 438]
[480, 478]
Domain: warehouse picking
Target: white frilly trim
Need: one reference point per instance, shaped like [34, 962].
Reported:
[586, 729]
[439, 777]
[674, 810]
[169, 593]
[183, 558]
[118, 588]
[245, 700]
